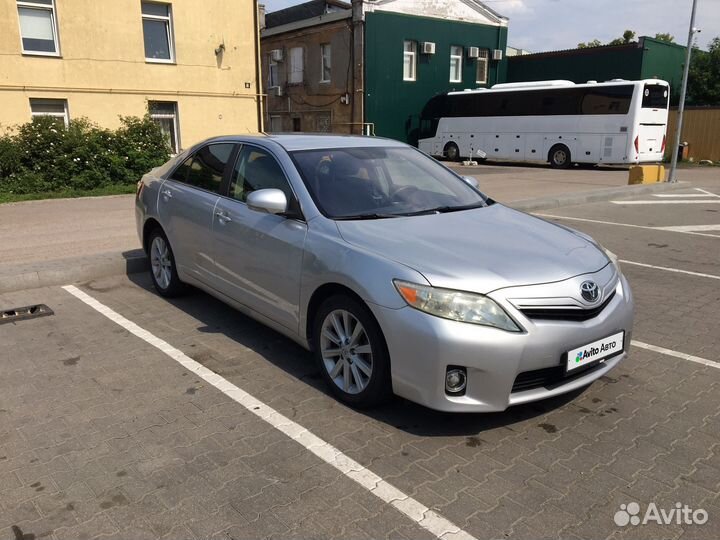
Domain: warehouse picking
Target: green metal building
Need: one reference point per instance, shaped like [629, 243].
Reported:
[647, 58]
[381, 60]
[393, 99]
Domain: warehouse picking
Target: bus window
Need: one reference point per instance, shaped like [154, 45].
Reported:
[607, 100]
[655, 96]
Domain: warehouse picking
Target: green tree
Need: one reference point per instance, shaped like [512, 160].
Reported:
[665, 37]
[704, 76]
[627, 37]
[593, 43]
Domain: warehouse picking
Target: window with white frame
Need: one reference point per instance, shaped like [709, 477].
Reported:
[325, 62]
[164, 114]
[456, 56]
[54, 108]
[38, 27]
[409, 60]
[297, 66]
[158, 32]
[482, 67]
[273, 73]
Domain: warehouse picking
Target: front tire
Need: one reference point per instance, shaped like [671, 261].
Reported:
[351, 353]
[559, 157]
[452, 152]
[163, 270]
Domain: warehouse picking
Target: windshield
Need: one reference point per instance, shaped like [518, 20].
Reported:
[375, 183]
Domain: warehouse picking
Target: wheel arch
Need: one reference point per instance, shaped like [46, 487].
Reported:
[150, 225]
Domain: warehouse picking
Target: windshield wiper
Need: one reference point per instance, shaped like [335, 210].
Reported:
[359, 217]
[446, 209]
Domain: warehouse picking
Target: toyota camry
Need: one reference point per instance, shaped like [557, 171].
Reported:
[398, 274]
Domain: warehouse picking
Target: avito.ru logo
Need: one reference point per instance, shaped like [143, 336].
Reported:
[680, 515]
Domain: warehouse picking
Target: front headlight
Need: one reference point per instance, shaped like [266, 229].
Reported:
[455, 305]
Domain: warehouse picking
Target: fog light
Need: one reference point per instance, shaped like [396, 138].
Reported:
[455, 380]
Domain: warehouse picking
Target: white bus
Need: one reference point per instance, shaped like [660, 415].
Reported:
[615, 122]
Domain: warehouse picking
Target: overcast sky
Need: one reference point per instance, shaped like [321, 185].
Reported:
[542, 25]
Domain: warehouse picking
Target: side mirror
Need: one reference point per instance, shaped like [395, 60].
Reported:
[473, 182]
[270, 201]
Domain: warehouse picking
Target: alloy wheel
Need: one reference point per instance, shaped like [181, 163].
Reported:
[346, 351]
[160, 262]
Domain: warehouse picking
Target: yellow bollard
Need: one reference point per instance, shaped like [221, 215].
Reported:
[646, 174]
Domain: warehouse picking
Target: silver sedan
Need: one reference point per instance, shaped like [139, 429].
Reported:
[399, 275]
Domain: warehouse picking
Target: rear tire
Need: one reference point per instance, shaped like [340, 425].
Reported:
[559, 157]
[351, 353]
[452, 152]
[163, 269]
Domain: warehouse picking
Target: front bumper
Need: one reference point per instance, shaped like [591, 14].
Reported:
[421, 347]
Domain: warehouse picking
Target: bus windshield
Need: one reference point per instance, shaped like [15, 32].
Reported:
[655, 96]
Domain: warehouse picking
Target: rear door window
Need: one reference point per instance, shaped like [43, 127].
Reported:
[655, 96]
[206, 167]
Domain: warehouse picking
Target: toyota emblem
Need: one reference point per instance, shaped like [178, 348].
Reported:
[590, 291]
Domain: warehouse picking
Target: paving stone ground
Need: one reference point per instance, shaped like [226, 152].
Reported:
[104, 436]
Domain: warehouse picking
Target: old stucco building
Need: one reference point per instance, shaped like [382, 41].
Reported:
[192, 65]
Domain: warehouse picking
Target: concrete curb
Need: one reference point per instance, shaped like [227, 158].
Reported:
[597, 195]
[64, 271]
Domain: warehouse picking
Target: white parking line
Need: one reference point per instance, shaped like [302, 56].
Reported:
[676, 354]
[683, 195]
[551, 216]
[417, 512]
[706, 192]
[693, 201]
[667, 269]
[690, 228]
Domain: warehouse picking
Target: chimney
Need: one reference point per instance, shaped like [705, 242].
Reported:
[261, 16]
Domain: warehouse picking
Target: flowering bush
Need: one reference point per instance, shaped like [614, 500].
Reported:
[43, 155]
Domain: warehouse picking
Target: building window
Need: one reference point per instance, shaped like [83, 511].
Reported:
[297, 66]
[326, 62]
[164, 113]
[54, 108]
[482, 67]
[456, 53]
[273, 74]
[38, 27]
[296, 124]
[409, 60]
[158, 32]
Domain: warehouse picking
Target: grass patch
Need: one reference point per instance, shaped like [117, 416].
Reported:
[120, 189]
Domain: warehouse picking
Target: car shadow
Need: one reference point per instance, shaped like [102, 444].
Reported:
[219, 318]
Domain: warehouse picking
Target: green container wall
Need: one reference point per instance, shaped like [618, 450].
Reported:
[655, 59]
[664, 61]
[394, 105]
[578, 66]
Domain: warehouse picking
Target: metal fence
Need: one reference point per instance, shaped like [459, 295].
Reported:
[701, 130]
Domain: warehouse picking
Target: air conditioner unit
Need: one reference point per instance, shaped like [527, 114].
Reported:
[276, 55]
[278, 91]
[428, 47]
[497, 54]
[473, 52]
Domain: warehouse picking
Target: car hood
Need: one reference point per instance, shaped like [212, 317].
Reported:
[478, 250]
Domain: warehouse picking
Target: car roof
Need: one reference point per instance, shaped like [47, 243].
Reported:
[315, 141]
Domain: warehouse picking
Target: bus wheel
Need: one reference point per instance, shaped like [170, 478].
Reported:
[559, 156]
[452, 152]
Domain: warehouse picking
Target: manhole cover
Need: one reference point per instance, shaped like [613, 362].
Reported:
[23, 313]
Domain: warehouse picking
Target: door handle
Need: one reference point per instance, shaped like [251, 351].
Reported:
[167, 193]
[223, 217]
